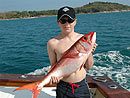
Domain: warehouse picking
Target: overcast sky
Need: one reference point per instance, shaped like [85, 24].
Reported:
[38, 5]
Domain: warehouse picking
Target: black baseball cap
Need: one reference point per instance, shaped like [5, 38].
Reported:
[66, 11]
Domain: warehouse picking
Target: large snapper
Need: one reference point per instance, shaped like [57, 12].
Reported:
[73, 59]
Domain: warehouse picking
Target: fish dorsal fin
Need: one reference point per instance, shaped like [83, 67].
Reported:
[65, 52]
[51, 68]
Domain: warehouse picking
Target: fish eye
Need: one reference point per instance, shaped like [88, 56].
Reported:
[85, 38]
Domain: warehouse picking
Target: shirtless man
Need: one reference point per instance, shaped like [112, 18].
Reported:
[57, 46]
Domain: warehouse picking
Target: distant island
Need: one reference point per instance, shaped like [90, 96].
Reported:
[95, 7]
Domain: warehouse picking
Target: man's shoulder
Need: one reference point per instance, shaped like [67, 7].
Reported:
[79, 35]
[52, 42]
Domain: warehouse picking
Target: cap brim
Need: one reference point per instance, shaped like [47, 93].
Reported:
[66, 15]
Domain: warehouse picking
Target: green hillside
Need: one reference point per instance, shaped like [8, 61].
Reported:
[101, 7]
[88, 8]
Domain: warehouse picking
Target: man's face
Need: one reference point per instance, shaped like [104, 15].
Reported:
[67, 24]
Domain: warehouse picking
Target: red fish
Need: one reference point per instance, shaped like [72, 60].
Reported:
[73, 59]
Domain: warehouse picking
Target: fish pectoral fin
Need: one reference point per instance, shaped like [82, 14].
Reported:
[32, 87]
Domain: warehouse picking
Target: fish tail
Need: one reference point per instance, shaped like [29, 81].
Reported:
[34, 87]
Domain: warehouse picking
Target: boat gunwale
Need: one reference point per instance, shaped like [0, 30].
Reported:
[20, 80]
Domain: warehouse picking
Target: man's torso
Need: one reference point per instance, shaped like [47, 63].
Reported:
[63, 44]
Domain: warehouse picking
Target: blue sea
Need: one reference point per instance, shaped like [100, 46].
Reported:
[23, 44]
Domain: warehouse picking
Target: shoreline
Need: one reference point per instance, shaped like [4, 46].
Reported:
[107, 12]
[29, 17]
[77, 14]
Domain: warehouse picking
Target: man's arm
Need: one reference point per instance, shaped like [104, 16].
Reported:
[53, 60]
[90, 61]
[51, 52]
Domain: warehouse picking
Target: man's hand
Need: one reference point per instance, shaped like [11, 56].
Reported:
[55, 80]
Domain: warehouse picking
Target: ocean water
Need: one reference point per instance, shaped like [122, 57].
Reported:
[23, 44]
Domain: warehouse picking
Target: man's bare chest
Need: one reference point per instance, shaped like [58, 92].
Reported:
[61, 48]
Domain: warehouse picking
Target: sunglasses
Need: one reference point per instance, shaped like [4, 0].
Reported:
[63, 21]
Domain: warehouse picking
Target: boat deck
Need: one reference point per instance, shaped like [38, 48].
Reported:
[6, 92]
